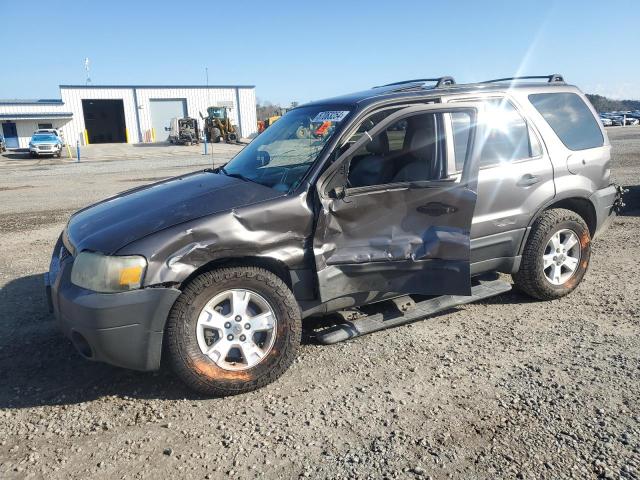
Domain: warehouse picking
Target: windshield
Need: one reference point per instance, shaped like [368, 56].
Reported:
[281, 155]
[44, 138]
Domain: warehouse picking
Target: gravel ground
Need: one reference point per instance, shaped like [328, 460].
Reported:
[507, 388]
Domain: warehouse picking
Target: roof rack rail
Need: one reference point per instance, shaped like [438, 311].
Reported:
[553, 78]
[440, 82]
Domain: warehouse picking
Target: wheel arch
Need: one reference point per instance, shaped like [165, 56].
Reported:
[580, 205]
[273, 265]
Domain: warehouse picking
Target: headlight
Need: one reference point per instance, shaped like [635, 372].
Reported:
[108, 274]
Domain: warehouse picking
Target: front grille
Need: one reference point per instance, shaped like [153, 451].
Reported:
[45, 147]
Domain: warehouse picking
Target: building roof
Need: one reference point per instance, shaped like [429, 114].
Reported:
[42, 101]
[35, 116]
[155, 86]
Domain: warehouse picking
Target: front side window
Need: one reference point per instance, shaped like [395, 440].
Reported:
[570, 119]
[506, 135]
[409, 150]
[281, 155]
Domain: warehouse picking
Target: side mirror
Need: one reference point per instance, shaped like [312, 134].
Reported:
[263, 158]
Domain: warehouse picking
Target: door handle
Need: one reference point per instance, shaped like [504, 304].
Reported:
[527, 180]
[435, 209]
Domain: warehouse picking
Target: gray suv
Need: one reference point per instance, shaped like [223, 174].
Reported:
[365, 211]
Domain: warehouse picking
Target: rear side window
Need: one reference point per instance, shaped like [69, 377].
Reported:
[507, 134]
[570, 118]
[507, 138]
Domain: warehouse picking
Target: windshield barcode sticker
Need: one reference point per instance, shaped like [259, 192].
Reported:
[335, 116]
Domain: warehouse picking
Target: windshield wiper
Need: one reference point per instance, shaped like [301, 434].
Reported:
[235, 175]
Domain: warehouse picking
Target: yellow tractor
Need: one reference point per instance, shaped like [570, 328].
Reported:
[218, 127]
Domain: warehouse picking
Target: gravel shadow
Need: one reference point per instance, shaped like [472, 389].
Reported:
[17, 155]
[164, 143]
[39, 366]
[632, 202]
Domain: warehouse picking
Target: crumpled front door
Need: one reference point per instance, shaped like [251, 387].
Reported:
[401, 238]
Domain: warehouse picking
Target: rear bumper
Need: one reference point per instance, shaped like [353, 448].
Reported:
[604, 202]
[123, 329]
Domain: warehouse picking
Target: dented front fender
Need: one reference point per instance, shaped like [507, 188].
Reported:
[276, 229]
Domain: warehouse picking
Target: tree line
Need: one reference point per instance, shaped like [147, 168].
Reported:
[604, 104]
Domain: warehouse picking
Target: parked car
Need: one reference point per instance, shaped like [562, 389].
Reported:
[606, 121]
[616, 121]
[3, 144]
[45, 144]
[417, 194]
[54, 131]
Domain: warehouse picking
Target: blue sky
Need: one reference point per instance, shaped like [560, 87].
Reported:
[309, 50]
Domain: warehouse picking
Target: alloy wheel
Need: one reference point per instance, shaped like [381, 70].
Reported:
[561, 256]
[236, 329]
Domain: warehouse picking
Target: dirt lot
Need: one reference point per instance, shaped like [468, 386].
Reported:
[508, 388]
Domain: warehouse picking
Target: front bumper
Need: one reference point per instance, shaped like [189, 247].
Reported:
[606, 202]
[37, 151]
[123, 329]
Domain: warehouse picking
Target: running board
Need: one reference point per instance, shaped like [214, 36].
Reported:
[381, 321]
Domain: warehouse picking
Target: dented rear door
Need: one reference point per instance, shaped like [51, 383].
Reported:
[404, 237]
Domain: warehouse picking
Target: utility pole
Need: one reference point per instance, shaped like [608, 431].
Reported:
[86, 68]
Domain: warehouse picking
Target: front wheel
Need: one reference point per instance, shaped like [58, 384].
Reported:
[556, 255]
[233, 330]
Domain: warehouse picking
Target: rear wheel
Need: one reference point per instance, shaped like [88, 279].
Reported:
[233, 330]
[556, 255]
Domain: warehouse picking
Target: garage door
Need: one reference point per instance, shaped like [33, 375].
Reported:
[162, 111]
[104, 120]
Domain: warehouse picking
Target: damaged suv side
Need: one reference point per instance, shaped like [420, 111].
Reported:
[400, 195]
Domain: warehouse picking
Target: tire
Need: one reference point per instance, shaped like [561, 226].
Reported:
[59, 154]
[215, 135]
[532, 277]
[199, 371]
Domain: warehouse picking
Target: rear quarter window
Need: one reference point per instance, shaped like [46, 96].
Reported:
[570, 119]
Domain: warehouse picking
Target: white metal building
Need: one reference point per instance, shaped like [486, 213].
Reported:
[123, 113]
[20, 118]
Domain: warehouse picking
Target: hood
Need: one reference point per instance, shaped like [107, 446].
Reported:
[117, 221]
